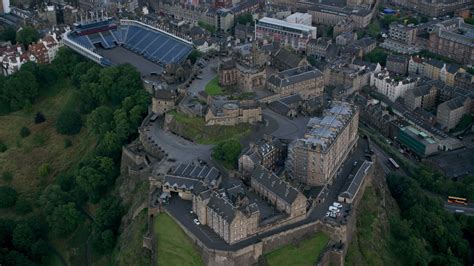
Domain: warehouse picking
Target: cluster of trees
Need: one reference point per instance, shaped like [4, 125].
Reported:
[26, 85]
[378, 55]
[228, 152]
[245, 18]
[24, 36]
[23, 242]
[425, 230]
[111, 103]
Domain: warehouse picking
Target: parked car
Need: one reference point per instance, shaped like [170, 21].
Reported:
[333, 209]
[337, 205]
[196, 221]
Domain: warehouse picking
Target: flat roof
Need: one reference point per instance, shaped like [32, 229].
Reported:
[286, 24]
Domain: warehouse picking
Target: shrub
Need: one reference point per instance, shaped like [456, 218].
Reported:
[39, 118]
[7, 176]
[69, 122]
[67, 143]
[24, 132]
[40, 139]
[23, 206]
[44, 170]
[8, 197]
[3, 146]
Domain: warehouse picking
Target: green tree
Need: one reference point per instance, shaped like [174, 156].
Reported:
[20, 89]
[100, 120]
[23, 206]
[3, 147]
[69, 122]
[8, 197]
[108, 215]
[92, 181]
[7, 176]
[51, 197]
[23, 236]
[245, 18]
[9, 34]
[27, 35]
[65, 219]
[194, 56]
[377, 56]
[227, 151]
[469, 20]
[24, 132]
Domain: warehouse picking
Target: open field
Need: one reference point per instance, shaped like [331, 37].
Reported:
[194, 128]
[304, 253]
[44, 145]
[174, 247]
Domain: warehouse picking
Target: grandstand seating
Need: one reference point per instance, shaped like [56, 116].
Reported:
[152, 44]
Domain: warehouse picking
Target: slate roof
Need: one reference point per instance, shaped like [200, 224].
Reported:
[222, 206]
[288, 58]
[420, 90]
[294, 75]
[189, 175]
[455, 103]
[273, 183]
[351, 191]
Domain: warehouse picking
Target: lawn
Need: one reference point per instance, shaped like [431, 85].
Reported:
[174, 246]
[212, 88]
[194, 128]
[305, 253]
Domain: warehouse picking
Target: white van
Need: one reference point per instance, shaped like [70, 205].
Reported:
[333, 209]
[337, 205]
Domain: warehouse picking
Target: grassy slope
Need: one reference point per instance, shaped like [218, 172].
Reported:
[212, 88]
[372, 243]
[25, 155]
[174, 247]
[195, 128]
[305, 253]
[131, 251]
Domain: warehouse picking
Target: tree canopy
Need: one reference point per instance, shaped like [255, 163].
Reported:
[8, 197]
[227, 151]
[27, 35]
[69, 122]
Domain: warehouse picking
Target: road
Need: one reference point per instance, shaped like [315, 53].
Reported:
[208, 73]
[176, 147]
[460, 209]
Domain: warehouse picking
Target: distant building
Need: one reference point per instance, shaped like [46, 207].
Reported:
[417, 141]
[349, 76]
[454, 39]
[464, 80]
[450, 112]
[229, 113]
[402, 39]
[306, 81]
[293, 35]
[332, 15]
[416, 65]
[319, 47]
[315, 158]
[433, 8]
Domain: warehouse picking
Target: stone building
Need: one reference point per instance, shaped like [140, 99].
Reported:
[416, 65]
[423, 96]
[397, 64]
[348, 75]
[278, 192]
[450, 112]
[332, 15]
[246, 78]
[269, 153]
[448, 73]
[164, 100]
[306, 81]
[402, 39]
[464, 80]
[229, 113]
[227, 212]
[453, 39]
[319, 47]
[359, 48]
[315, 158]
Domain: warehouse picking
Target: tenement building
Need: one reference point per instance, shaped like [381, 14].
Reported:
[306, 81]
[315, 158]
[227, 212]
[454, 39]
[269, 152]
[229, 113]
[278, 192]
[450, 112]
[434, 8]
[423, 96]
[294, 35]
[392, 87]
